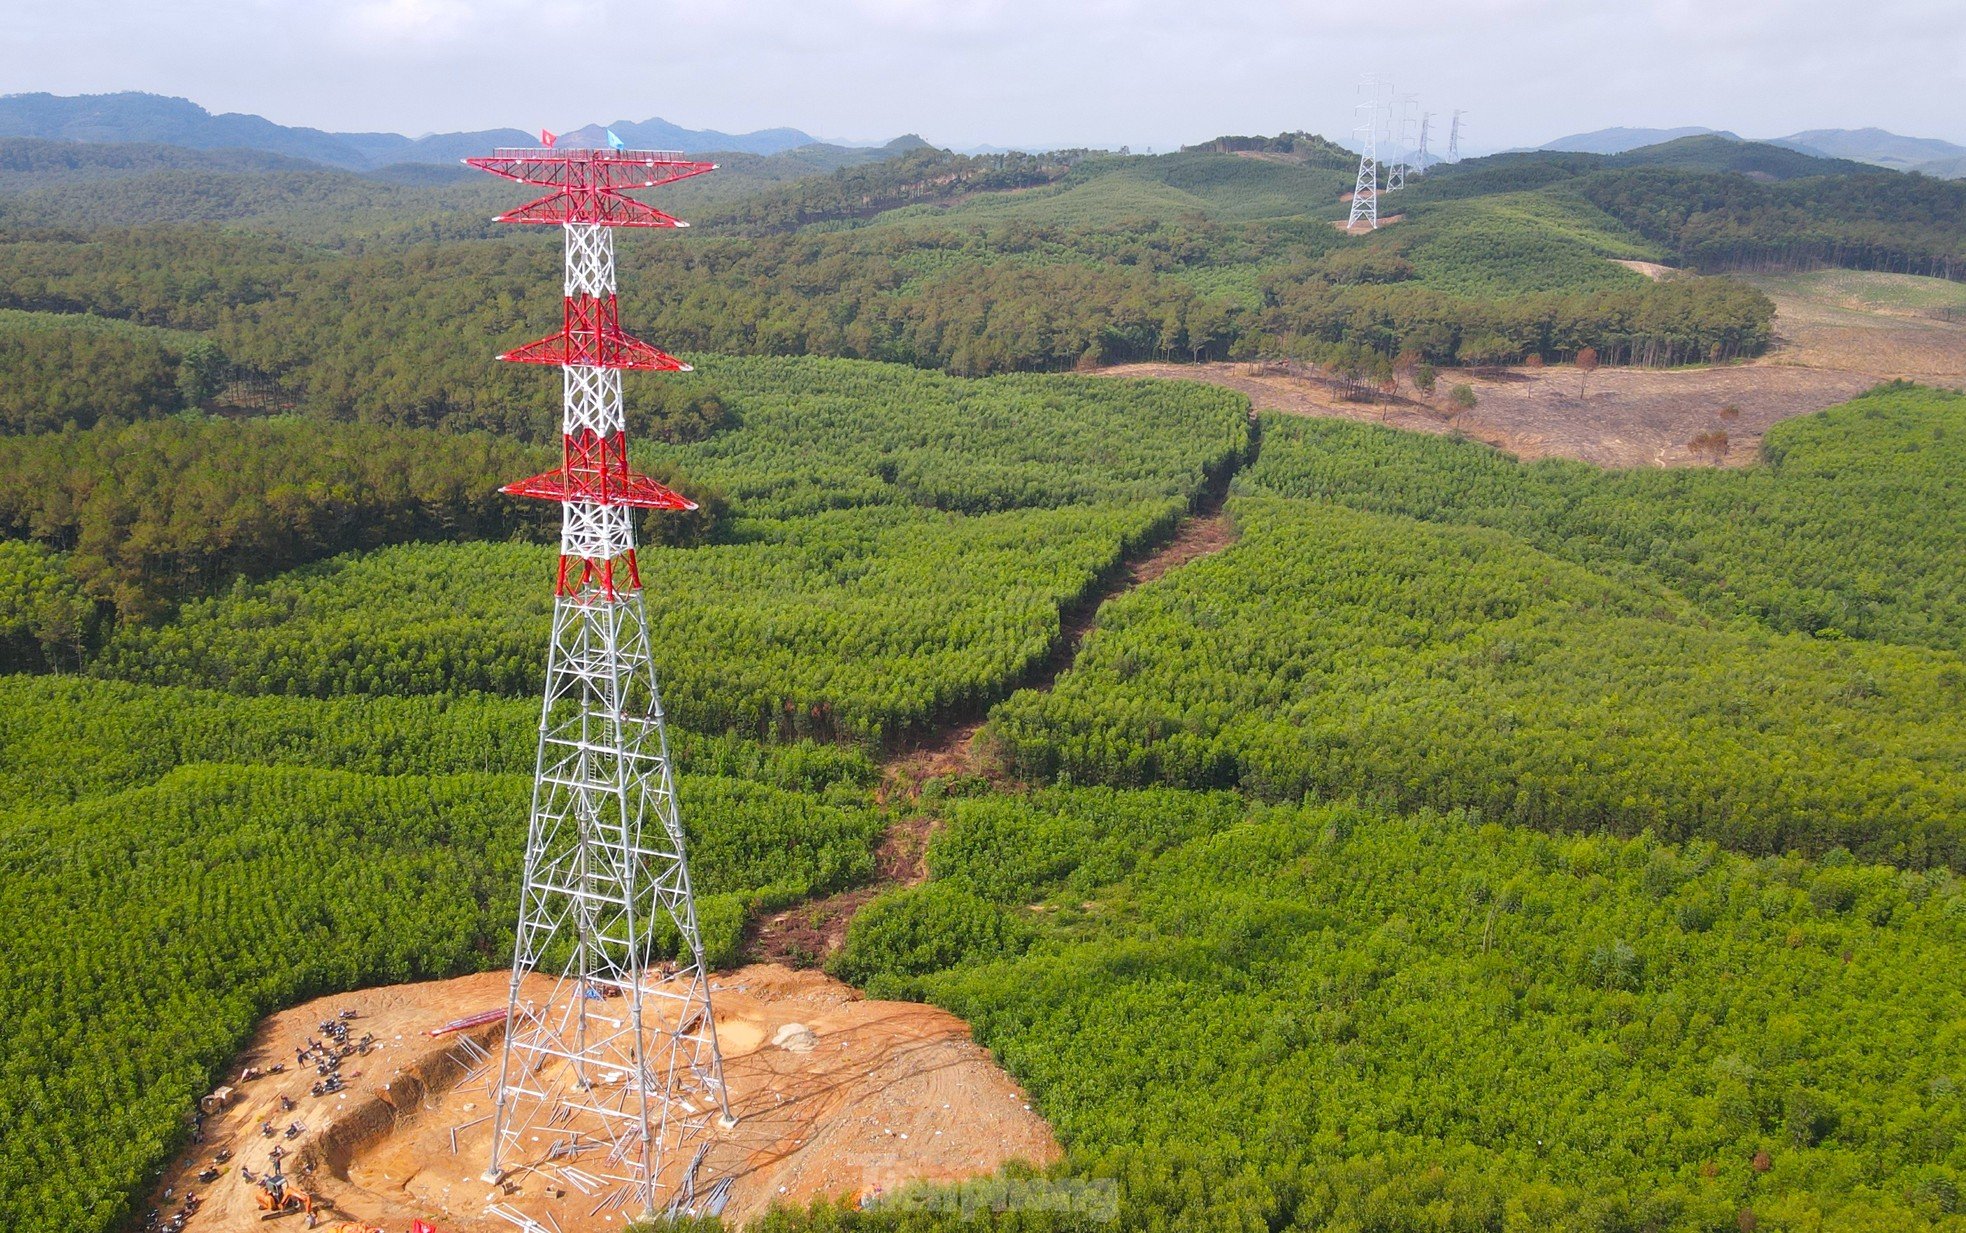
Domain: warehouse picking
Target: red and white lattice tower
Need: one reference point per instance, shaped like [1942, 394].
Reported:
[617, 1066]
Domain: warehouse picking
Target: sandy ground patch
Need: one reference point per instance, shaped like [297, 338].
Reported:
[857, 1098]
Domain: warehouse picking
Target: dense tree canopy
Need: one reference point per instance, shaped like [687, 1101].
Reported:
[271, 641]
[1333, 1018]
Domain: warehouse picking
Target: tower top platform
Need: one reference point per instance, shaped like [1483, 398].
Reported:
[590, 186]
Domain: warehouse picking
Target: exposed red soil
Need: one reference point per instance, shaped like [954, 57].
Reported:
[836, 1096]
[1623, 417]
[809, 933]
[1821, 333]
[1200, 536]
[1651, 269]
[1634, 417]
[1345, 224]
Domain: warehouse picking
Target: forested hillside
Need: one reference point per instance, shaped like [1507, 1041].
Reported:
[849, 486]
[903, 548]
[1855, 524]
[1465, 845]
[1328, 1017]
[1530, 652]
[146, 929]
[356, 297]
[1696, 199]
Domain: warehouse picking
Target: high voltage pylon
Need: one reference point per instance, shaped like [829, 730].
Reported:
[617, 1064]
[1365, 192]
[1454, 137]
[1399, 134]
[1420, 160]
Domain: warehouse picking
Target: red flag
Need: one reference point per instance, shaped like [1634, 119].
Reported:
[546, 138]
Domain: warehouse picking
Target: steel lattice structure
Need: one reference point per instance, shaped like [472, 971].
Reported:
[618, 1066]
[1398, 133]
[1365, 190]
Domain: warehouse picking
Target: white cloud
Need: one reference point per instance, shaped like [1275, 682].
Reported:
[420, 21]
[1149, 72]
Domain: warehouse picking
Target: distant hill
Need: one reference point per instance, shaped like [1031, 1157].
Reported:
[1945, 168]
[152, 118]
[1619, 140]
[1882, 149]
[134, 117]
[659, 134]
[1725, 152]
[1874, 146]
[29, 162]
[1307, 148]
[1522, 170]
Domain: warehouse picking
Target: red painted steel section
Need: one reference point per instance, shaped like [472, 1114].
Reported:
[592, 186]
[591, 335]
[596, 471]
[470, 1021]
[592, 570]
[612, 209]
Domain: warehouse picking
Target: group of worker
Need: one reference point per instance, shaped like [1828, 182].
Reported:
[157, 1222]
[327, 1055]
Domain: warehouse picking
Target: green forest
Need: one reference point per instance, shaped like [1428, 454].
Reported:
[1331, 1017]
[1468, 845]
[1556, 647]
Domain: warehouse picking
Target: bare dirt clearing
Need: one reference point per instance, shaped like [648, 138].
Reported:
[1825, 353]
[1344, 225]
[1628, 417]
[836, 1096]
[1651, 269]
[1872, 326]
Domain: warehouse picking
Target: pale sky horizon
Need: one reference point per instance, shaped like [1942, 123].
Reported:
[1145, 73]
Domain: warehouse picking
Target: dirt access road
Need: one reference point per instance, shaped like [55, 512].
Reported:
[810, 932]
[1835, 338]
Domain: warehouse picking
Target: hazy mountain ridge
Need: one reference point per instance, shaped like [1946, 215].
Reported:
[1881, 148]
[1620, 139]
[1875, 146]
[134, 117]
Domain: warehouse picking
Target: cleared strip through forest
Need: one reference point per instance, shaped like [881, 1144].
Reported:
[805, 933]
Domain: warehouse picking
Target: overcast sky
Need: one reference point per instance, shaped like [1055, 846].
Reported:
[1015, 72]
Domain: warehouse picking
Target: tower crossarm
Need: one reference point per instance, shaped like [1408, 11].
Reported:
[591, 186]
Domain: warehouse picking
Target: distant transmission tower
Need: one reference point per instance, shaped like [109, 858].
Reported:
[1400, 133]
[609, 1061]
[1454, 137]
[1420, 160]
[1365, 193]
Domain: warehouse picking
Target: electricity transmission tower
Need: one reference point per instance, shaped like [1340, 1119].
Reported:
[610, 1062]
[1454, 137]
[1365, 192]
[1420, 159]
[1399, 133]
